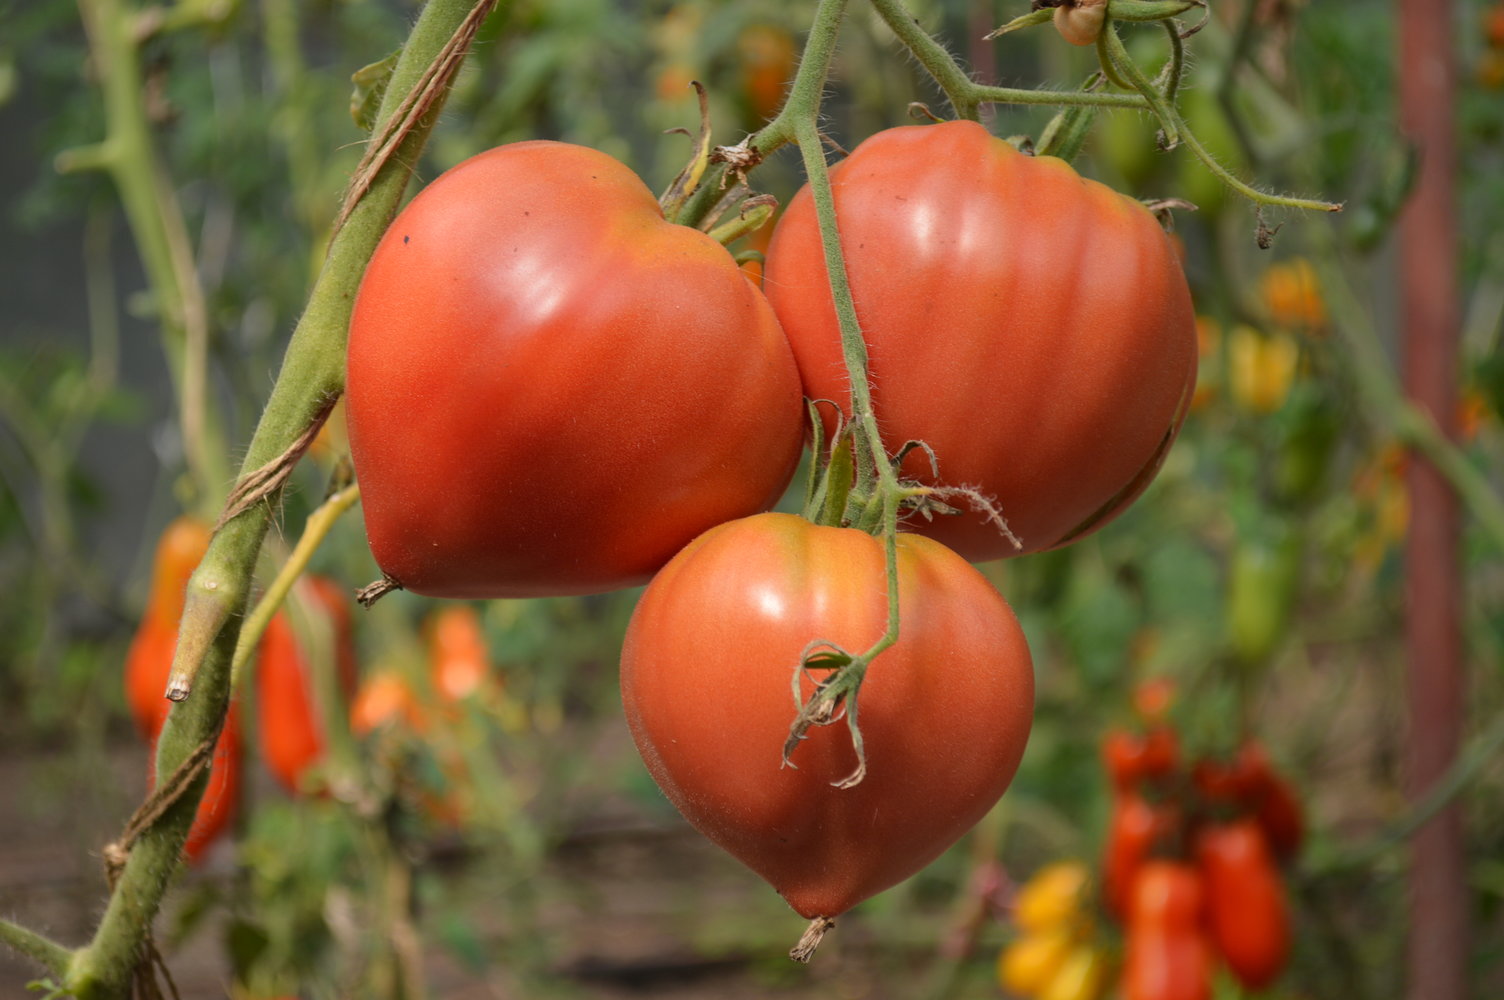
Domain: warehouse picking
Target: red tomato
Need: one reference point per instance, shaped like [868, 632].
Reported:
[1032, 327]
[221, 800]
[1272, 800]
[1248, 914]
[552, 389]
[149, 660]
[292, 730]
[706, 672]
[1167, 955]
[1136, 827]
[1130, 758]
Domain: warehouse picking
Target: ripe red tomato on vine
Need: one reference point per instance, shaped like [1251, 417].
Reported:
[706, 675]
[1032, 327]
[551, 389]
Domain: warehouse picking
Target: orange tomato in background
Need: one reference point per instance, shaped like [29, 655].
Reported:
[457, 653]
[221, 801]
[148, 662]
[766, 56]
[291, 727]
[149, 659]
[1135, 828]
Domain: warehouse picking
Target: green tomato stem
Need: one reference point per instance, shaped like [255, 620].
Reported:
[959, 89]
[129, 155]
[1116, 60]
[43, 950]
[314, 533]
[1175, 69]
[312, 373]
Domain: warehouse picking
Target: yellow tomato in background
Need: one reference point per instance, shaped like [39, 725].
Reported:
[1031, 962]
[1262, 368]
[1052, 897]
[1292, 295]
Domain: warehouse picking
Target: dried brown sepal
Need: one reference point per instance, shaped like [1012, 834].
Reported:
[373, 592]
[1163, 209]
[810, 940]
[1264, 234]
[739, 159]
[689, 178]
[920, 111]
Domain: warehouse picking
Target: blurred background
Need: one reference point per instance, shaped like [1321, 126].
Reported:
[489, 830]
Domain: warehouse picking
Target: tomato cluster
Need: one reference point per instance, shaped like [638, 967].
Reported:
[553, 390]
[1191, 866]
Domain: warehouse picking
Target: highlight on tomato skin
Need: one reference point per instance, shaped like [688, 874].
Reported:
[1068, 356]
[945, 712]
[556, 305]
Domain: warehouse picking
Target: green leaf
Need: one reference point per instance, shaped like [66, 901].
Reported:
[370, 86]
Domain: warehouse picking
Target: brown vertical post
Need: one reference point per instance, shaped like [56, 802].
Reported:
[1431, 319]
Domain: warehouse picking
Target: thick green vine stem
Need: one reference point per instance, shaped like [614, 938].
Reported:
[44, 951]
[312, 374]
[129, 155]
[931, 55]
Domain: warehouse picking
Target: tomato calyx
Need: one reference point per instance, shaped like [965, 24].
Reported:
[846, 491]
[833, 699]
[672, 201]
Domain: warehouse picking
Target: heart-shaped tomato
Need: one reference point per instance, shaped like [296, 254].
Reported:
[1032, 327]
[707, 672]
[551, 388]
